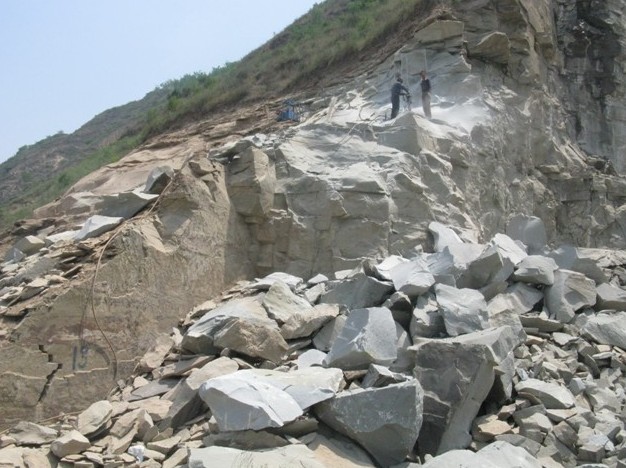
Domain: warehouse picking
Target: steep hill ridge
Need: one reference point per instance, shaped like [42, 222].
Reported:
[342, 186]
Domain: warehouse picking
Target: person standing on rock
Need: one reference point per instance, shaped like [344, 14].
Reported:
[397, 90]
[425, 84]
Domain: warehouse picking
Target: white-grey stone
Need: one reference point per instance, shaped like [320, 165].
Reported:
[605, 328]
[568, 257]
[508, 248]
[265, 283]
[70, 443]
[240, 403]
[489, 267]
[452, 398]
[325, 338]
[412, 278]
[94, 418]
[308, 321]
[226, 457]
[30, 245]
[550, 394]
[360, 291]
[381, 376]
[306, 386]
[383, 269]
[369, 336]
[494, 47]
[29, 433]
[530, 230]
[97, 225]
[311, 357]
[317, 279]
[124, 204]
[385, 421]
[281, 303]
[427, 320]
[158, 179]
[570, 292]
[443, 236]
[610, 297]
[536, 269]
[463, 310]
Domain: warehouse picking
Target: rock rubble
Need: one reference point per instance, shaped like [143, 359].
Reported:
[494, 375]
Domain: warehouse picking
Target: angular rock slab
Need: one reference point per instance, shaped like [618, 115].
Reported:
[549, 394]
[385, 421]
[412, 278]
[29, 433]
[308, 321]
[225, 457]
[70, 443]
[570, 292]
[489, 267]
[94, 418]
[358, 292]
[456, 379]
[536, 269]
[463, 310]
[368, 337]
[239, 403]
[125, 204]
[242, 325]
[499, 454]
[605, 328]
[97, 225]
[282, 304]
[443, 236]
[611, 297]
[306, 386]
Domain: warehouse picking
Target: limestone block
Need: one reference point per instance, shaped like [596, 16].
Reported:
[281, 303]
[94, 418]
[550, 394]
[380, 376]
[125, 204]
[266, 282]
[383, 269]
[452, 394]
[529, 230]
[369, 336]
[225, 457]
[445, 33]
[427, 320]
[443, 236]
[97, 225]
[29, 245]
[251, 181]
[610, 297]
[239, 403]
[311, 357]
[158, 179]
[185, 400]
[245, 440]
[308, 321]
[28, 433]
[570, 292]
[325, 338]
[339, 451]
[240, 324]
[358, 292]
[412, 278]
[605, 328]
[71, 443]
[385, 421]
[508, 248]
[494, 47]
[536, 269]
[505, 455]
[306, 386]
[568, 257]
[463, 310]
[489, 267]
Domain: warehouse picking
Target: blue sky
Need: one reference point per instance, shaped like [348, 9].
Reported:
[64, 61]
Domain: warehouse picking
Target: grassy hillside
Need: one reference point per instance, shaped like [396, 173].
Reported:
[322, 46]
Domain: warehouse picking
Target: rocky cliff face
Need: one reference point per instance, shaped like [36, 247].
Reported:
[528, 119]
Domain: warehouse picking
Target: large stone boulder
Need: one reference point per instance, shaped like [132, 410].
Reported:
[385, 421]
[463, 310]
[368, 337]
[605, 328]
[570, 292]
[358, 292]
[226, 457]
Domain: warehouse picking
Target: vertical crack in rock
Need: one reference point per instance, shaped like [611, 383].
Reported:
[50, 376]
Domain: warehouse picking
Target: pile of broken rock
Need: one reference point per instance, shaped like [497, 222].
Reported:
[507, 354]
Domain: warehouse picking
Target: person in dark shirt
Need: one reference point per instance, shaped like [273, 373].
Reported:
[397, 90]
[425, 84]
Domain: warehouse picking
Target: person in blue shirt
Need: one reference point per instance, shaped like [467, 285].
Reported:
[397, 90]
[425, 84]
